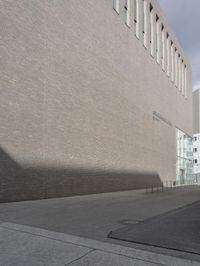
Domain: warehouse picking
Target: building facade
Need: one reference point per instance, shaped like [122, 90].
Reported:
[196, 136]
[196, 153]
[196, 111]
[93, 94]
[184, 164]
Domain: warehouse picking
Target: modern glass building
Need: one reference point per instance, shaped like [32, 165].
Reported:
[184, 163]
[196, 134]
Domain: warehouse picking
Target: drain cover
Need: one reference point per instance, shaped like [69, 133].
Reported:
[128, 221]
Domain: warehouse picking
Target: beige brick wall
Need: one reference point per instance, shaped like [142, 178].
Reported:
[78, 90]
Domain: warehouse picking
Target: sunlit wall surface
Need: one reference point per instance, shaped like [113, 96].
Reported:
[184, 163]
[89, 97]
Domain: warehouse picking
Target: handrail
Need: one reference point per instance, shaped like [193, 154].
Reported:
[170, 184]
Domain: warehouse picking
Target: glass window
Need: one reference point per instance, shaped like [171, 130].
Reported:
[145, 23]
[176, 67]
[184, 164]
[151, 29]
[163, 48]
[135, 12]
[172, 61]
[116, 5]
[137, 20]
[185, 74]
[127, 12]
[183, 77]
[168, 56]
[157, 39]
[180, 73]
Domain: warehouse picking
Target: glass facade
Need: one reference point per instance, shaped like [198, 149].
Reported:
[184, 162]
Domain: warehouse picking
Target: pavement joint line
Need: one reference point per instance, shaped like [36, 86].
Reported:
[143, 253]
[87, 253]
[178, 209]
[40, 235]
[157, 246]
[85, 246]
[121, 255]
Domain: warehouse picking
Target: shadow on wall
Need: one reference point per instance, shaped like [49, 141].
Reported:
[18, 183]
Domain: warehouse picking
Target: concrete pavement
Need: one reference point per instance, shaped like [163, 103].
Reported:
[28, 246]
[174, 230]
[93, 217]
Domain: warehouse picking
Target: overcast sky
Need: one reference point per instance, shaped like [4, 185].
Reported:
[184, 18]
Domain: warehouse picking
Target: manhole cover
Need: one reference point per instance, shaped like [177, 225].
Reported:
[129, 221]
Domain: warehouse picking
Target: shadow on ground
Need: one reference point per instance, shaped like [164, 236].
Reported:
[176, 230]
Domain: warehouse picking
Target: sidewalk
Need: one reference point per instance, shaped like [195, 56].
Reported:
[87, 217]
[28, 246]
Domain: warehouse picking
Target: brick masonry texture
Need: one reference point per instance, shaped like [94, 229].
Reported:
[78, 91]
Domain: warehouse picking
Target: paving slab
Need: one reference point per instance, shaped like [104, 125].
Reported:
[94, 216]
[99, 258]
[24, 245]
[178, 230]
[21, 249]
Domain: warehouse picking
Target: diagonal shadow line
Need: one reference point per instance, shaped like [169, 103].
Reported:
[35, 182]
